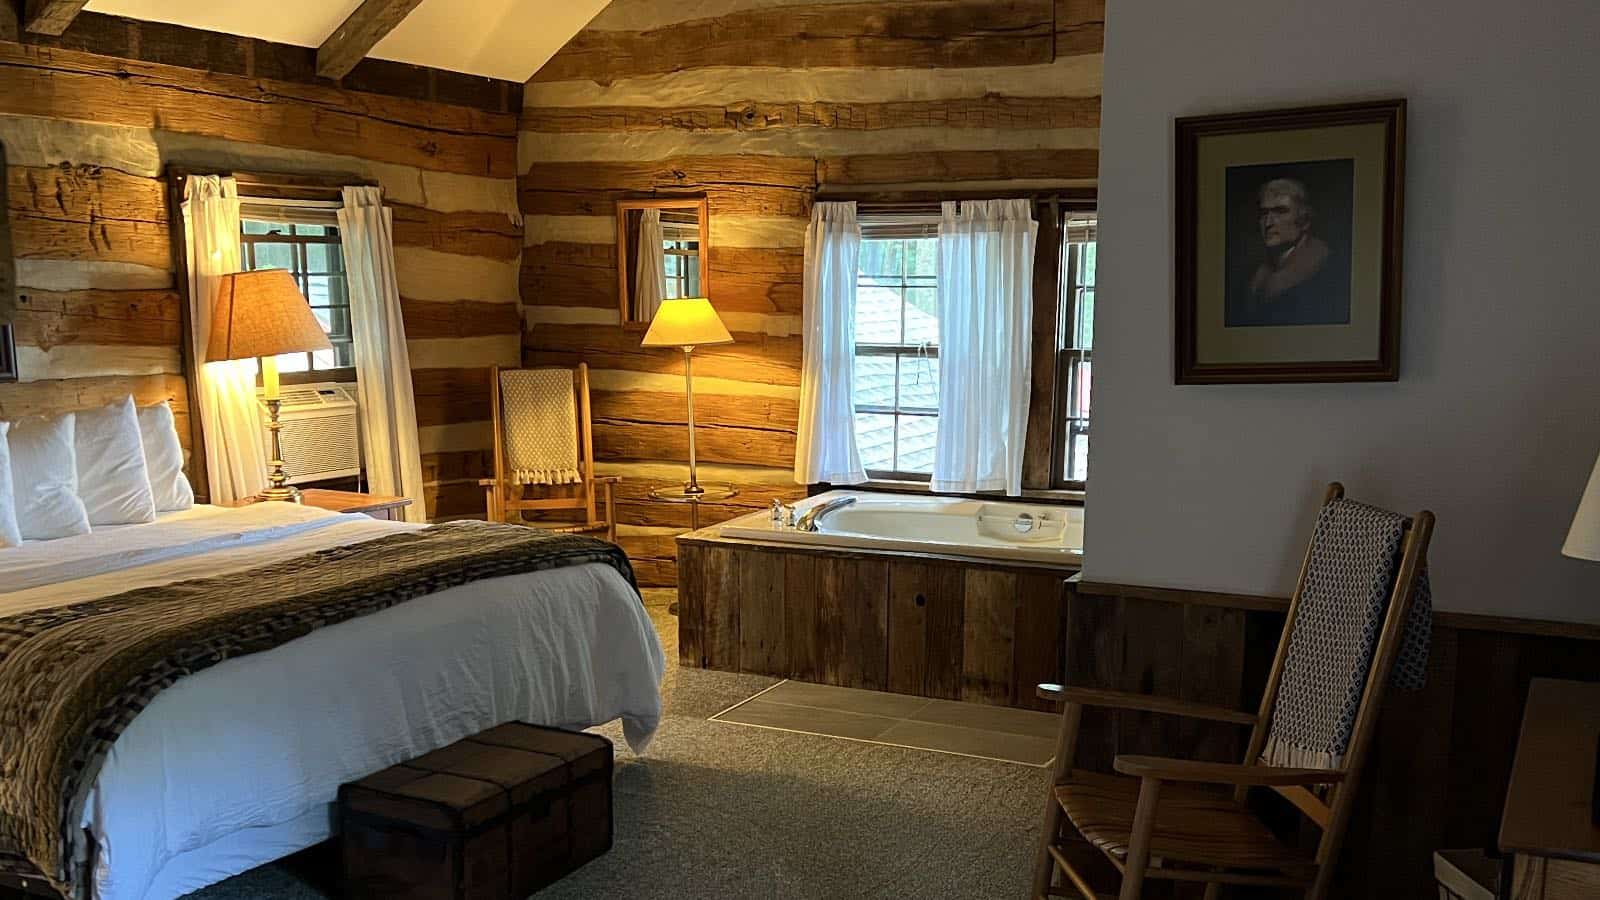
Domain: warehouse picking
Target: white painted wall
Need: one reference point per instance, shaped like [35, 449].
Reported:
[1495, 422]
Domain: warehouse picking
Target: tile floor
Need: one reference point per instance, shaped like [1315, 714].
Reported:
[947, 726]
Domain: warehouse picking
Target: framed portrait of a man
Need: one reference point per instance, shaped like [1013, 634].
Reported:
[1288, 245]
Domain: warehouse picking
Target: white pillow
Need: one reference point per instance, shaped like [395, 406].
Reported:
[112, 480]
[10, 535]
[44, 479]
[163, 458]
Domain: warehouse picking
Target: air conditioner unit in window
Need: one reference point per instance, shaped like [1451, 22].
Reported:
[320, 434]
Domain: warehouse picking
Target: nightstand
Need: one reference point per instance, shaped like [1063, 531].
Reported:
[376, 506]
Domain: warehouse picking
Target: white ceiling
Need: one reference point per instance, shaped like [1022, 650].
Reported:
[507, 39]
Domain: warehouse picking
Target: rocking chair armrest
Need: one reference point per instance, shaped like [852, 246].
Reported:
[1144, 703]
[488, 482]
[607, 479]
[1165, 769]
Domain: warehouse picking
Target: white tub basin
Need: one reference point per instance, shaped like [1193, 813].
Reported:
[978, 529]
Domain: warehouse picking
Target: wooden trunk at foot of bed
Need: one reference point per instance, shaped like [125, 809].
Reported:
[910, 624]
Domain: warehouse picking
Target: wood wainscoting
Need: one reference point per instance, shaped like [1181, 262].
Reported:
[1442, 759]
[907, 623]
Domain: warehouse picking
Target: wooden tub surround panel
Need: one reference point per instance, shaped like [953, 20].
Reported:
[880, 621]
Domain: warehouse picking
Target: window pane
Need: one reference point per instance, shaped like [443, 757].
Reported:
[877, 314]
[324, 258]
[875, 440]
[874, 381]
[882, 258]
[922, 257]
[919, 382]
[293, 362]
[251, 226]
[275, 256]
[922, 316]
[914, 446]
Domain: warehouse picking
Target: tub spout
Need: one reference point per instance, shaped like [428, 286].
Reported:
[808, 522]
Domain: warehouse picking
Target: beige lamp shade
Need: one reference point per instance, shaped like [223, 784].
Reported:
[262, 313]
[686, 322]
[1583, 541]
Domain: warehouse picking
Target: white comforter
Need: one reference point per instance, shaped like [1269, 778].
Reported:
[239, 764]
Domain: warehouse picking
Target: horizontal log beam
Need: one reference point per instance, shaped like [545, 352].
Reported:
[757, 280]
[897, 34]
[359, 33]
[488, 234]
[47, 319]
[739, 184]
[989, 112]
[51, 16]
[752, 357]
[37, 398]
[713, 444]
[752, 411]
[958, 165]
[1080, 27]
[56, 83]
[425, 319]
[450, 396]
[566, 274]
[88, 213]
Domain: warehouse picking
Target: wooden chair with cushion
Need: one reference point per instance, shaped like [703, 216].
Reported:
[1187, 821]
[544, 453]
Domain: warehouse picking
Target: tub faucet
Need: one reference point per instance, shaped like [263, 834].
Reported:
[782, 513]
[808, 522]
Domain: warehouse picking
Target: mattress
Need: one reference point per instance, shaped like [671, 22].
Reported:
[239, 764]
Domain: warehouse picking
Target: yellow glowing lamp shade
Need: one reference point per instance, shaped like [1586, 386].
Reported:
[262, 314]
[687, 322]
[1583, 541]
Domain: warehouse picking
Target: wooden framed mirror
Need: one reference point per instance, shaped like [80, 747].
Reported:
[661, 254]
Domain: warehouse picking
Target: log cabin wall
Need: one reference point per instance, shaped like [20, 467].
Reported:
[759, 105]
[90, 124]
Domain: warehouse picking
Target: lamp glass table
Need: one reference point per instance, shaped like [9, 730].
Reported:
[708, 493]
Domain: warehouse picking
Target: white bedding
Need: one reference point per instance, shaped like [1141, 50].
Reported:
[237, 765]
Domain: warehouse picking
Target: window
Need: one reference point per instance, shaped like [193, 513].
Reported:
[311, 253]
[897, 346]
[1075, 332]
[681, 254]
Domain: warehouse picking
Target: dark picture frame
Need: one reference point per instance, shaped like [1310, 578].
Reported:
[1253, 189]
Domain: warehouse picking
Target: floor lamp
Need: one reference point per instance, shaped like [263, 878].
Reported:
[687, 323]
[261, 314]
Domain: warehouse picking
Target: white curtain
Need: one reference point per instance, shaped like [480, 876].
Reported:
[826, 450]
[383, 364]
[236, 448]
[985, 335]
[650, 275]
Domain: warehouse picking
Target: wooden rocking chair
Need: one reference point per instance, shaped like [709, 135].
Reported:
[1163, 819]
[507, 499]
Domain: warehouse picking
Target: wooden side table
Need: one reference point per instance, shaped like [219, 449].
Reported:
[1548, 828]
[376, 506]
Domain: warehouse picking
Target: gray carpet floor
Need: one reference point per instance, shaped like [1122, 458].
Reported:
[717, 810]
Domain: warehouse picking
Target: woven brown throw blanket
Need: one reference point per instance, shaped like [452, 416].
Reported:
[73, 677]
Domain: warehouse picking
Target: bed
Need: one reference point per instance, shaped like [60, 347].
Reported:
[238, 764]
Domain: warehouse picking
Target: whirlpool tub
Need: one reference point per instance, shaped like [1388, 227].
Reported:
[945, 526]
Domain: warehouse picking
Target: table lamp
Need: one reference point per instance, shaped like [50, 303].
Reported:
[688, 323]
[261, 314]
[1583, 542]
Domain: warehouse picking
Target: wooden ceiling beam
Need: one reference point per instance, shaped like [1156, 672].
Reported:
[51, 16]
[358, 34]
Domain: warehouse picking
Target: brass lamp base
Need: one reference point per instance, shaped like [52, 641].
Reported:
[278, 487]
[285, 494]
